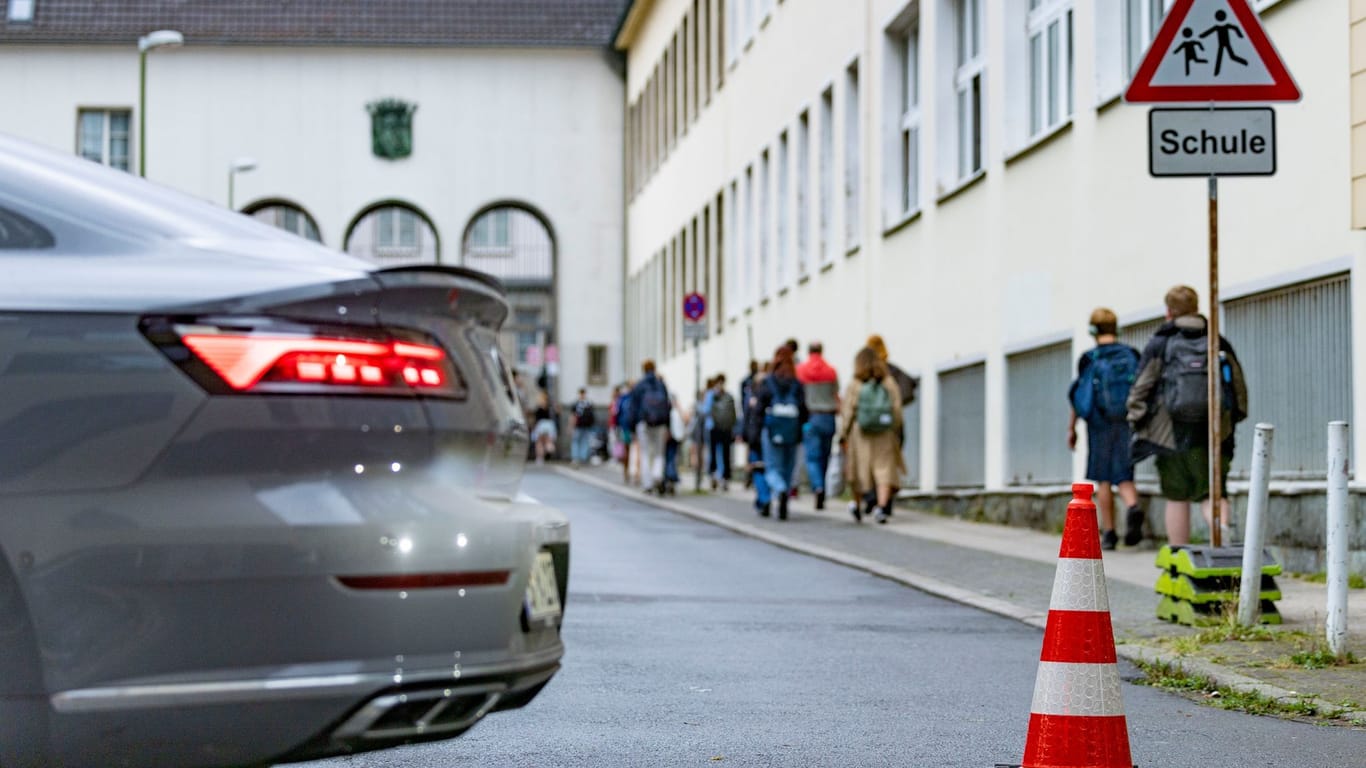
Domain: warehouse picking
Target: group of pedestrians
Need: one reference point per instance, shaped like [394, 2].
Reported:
[1155, 404]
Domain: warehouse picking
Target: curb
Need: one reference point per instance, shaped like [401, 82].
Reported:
[1130, 652]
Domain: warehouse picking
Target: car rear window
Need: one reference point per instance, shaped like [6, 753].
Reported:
[20, 233]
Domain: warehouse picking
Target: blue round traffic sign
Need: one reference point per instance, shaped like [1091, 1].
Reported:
[694, 306]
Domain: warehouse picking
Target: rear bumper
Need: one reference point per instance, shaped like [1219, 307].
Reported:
[289, 718]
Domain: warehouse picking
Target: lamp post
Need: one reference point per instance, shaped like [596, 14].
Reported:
[240, 165]
[162, 38]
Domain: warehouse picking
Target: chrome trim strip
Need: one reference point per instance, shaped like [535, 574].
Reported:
[126, 697]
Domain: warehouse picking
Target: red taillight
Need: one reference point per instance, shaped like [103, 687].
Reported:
[245, 360]
[294, 360]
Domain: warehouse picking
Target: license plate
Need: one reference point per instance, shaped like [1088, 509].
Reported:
[543, 591]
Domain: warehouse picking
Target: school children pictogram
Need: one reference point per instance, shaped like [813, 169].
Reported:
[1212, 50]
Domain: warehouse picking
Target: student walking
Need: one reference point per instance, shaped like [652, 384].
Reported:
[650, 401]
[624, 420]
[783, 405]
[753, 449]
[722, 417]
[1099, 396]
[821, 387]
[1168, 410]
[754, 440]
[870, 422]
[907, 385]
[545, 432]
[585, 421]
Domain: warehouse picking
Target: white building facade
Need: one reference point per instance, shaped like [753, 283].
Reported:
[515, 166]
[961, 177]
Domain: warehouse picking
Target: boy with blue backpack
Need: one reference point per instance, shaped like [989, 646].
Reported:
[782, 403]
[1099, 396]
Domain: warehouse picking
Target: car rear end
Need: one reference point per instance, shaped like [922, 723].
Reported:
[258, 501]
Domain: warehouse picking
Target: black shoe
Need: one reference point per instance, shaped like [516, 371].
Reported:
[855, 511]
[1133, 526]
[1108, 540]
[782, 508]
[820, 500]
[763, 509]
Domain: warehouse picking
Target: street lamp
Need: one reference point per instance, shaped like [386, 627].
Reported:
[240, 165]
[162, 38]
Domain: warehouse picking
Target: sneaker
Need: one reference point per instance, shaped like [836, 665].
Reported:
[1109, 539]
[763, 509]
[881, 515]
[855, 511]
[820, 500]
[1133, 526]
[782, 508]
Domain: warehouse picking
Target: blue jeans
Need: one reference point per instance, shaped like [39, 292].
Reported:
[762, 495]
[779, 461]
[816, 439]
[671, 461]
[582, 445]
[721, 440]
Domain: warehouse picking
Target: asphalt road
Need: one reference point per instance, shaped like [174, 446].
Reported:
[692, 646]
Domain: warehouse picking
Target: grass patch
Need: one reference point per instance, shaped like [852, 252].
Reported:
[1320, 658]
[1172, 678]
[1224, 632]
[1354, 580]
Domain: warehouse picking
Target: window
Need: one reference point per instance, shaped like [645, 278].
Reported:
[967, 85]
[597, 365]
[732, 31]
[803, 191]
[903, 114]
[852, 176]
[1049, 29]
[20, 233]
[287, 217]
[751, 284]
[490, 232]
[1035, 381]
[718, 229]
[751, 20]
[827, 174]
[21, 11]
[730, 228]
[783, 214]
[763, 224]
[393, 234]
[103, 136]
[1142, 19]
[962, 427]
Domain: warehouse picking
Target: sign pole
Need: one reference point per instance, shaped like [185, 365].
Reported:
[1214, 370]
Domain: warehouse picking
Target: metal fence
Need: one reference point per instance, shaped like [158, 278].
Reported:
[962, 427]
[910, 449]
[1036, 412]
[1295, 346]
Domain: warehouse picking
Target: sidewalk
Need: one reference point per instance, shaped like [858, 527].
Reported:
[1009, 571]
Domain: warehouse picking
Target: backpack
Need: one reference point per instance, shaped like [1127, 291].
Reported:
[1185, 379]
[874, 414]
[723, 414]
[1103, 391]
[654, 404]
[584, 418]
[783, 419]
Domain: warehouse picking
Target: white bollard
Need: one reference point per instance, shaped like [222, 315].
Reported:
[1254, 530]
[1337, 538]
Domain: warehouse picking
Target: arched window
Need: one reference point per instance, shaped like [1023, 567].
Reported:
[393, 234]
[512, 244]
[286, 216]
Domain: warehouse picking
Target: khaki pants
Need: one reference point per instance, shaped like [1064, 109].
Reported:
[652, 441]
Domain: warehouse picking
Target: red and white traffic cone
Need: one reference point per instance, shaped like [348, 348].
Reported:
[1077, 720]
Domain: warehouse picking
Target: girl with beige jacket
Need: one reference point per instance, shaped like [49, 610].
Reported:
[871, 441]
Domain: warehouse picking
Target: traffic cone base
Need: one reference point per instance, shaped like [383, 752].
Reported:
[1077, 716]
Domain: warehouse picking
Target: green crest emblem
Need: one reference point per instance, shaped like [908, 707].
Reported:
[391, 128]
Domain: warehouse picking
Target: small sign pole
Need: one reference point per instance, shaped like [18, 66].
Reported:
[1215, 373]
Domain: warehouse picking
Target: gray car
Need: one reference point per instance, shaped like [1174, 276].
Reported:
[258, 500]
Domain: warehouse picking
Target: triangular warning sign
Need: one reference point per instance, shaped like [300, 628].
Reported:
[1212, 50]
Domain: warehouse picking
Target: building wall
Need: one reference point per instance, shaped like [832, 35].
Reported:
[1018, 256]
[1357, 36]
[537, 127]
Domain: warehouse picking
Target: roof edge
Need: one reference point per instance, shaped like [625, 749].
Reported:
[631, 20]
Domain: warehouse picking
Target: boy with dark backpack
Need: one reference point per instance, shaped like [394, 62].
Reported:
[1168, 410]
[651, 406]
[782, 405]
[1099, 396]
[724, 415]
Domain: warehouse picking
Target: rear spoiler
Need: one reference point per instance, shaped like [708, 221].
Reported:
[465, 272]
